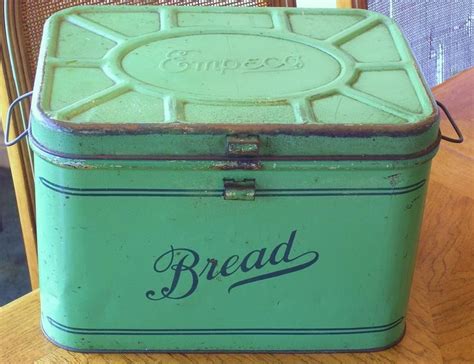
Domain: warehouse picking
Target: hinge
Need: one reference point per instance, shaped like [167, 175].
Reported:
[239, 189]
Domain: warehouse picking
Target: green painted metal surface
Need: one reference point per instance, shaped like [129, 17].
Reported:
[228, 179]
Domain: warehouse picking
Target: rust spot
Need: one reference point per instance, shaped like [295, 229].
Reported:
[229, 165]
[179, 127]
[243, 146]
[376, 157]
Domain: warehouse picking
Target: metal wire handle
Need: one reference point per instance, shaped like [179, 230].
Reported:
[7, 142]
[460, 138]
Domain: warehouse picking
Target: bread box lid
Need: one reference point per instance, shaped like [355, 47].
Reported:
[126, 82]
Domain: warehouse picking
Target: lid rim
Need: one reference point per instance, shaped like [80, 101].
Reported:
[314, 129]
[251, 160]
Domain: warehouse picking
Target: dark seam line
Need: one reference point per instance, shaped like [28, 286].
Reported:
[219, 193]
[329, 331]
[359, 157]
[337, 194]
[340, 189]
[45, 181]
[66, 192]
[54, 322]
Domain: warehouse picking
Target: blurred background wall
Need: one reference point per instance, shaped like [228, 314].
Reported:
[440, 32]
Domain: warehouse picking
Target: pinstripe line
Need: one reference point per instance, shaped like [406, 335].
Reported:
[284, 192]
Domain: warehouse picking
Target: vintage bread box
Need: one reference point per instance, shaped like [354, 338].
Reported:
[228, 179]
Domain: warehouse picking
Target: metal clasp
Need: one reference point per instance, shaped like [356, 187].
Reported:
[242, 146]
[243, 190]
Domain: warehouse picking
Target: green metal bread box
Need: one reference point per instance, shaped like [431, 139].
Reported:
[228, 179]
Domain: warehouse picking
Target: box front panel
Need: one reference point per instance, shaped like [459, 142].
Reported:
[152, 257]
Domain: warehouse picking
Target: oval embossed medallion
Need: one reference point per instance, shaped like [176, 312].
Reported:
[233, 66]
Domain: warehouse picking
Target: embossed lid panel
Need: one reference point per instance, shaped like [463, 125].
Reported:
[228, 70]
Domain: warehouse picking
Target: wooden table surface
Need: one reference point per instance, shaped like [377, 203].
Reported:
[440, 325]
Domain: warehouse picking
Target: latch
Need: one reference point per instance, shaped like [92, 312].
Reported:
[239, 189]
[242, 146]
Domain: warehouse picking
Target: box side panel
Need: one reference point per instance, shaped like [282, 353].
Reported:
[154, 258]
